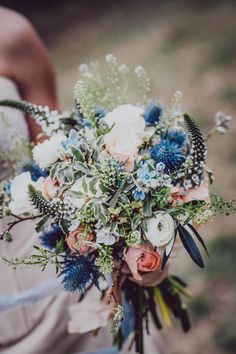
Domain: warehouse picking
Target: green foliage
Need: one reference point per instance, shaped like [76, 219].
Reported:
[105, 260]
[42, 259]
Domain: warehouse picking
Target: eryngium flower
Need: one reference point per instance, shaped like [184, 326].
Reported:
[153, 113]
[49, 239]
[169, 153]
[34, 169]
[79, 273]
[178, 136]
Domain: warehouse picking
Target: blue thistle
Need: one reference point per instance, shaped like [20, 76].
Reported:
[50, 238]
[34, 169]
[78, 273]
[153, 113]
[169, 153]
[178, 136]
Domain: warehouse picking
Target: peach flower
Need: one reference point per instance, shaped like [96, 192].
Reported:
[123, 147]
[198, 193]
[142, 258]
[75, 242]
[49, 188]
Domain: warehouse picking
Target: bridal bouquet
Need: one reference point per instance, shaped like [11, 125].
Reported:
[120, 190]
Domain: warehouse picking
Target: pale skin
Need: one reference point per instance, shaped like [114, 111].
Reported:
[24, 59]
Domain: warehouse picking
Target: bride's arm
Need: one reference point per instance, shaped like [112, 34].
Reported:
[24, 59]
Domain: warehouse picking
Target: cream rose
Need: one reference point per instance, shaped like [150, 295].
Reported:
[127, 133]
[20, 203]
[48, 152]
[124, 147]
[160, 230]
[126, 118]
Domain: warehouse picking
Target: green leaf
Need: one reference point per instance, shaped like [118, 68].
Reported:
[117, 194]
[92, 185]
[147, 205]
[190, 246]
[59, 246]
[84, 185]
[68, 174]
[44, 222]
[54, 170]
[100, 212]
[64, 225]
[77, 153]
[81, 167]
[198, 237]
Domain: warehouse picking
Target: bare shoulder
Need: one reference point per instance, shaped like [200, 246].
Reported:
[14, 28]
[24, 58]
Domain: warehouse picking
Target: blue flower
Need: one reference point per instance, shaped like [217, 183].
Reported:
[145, 174]
[72, 140]
[34, 169]
[50, 238]
[78, 273]
[153, 113]
[178, 136]
[139, 194]
[100, 112]
[8, 188]
[169, 153]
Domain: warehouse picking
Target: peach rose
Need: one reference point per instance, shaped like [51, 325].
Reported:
[75, 242]
[123, 147]
[142, 258]
[49, 189]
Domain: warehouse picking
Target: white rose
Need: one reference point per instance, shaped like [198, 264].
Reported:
[21, 203]
[48, 152]
[161, 230]
[126, 117]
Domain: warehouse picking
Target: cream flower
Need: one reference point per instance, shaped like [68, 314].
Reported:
[20, 203]
[127, 133]
[126, 117]
[48, 152]
[160, 230]
[123, 146]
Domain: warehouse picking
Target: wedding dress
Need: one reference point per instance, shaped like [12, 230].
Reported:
[34, 311]
[31, 321]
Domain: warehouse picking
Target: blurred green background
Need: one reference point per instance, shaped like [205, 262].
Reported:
[184, 45]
